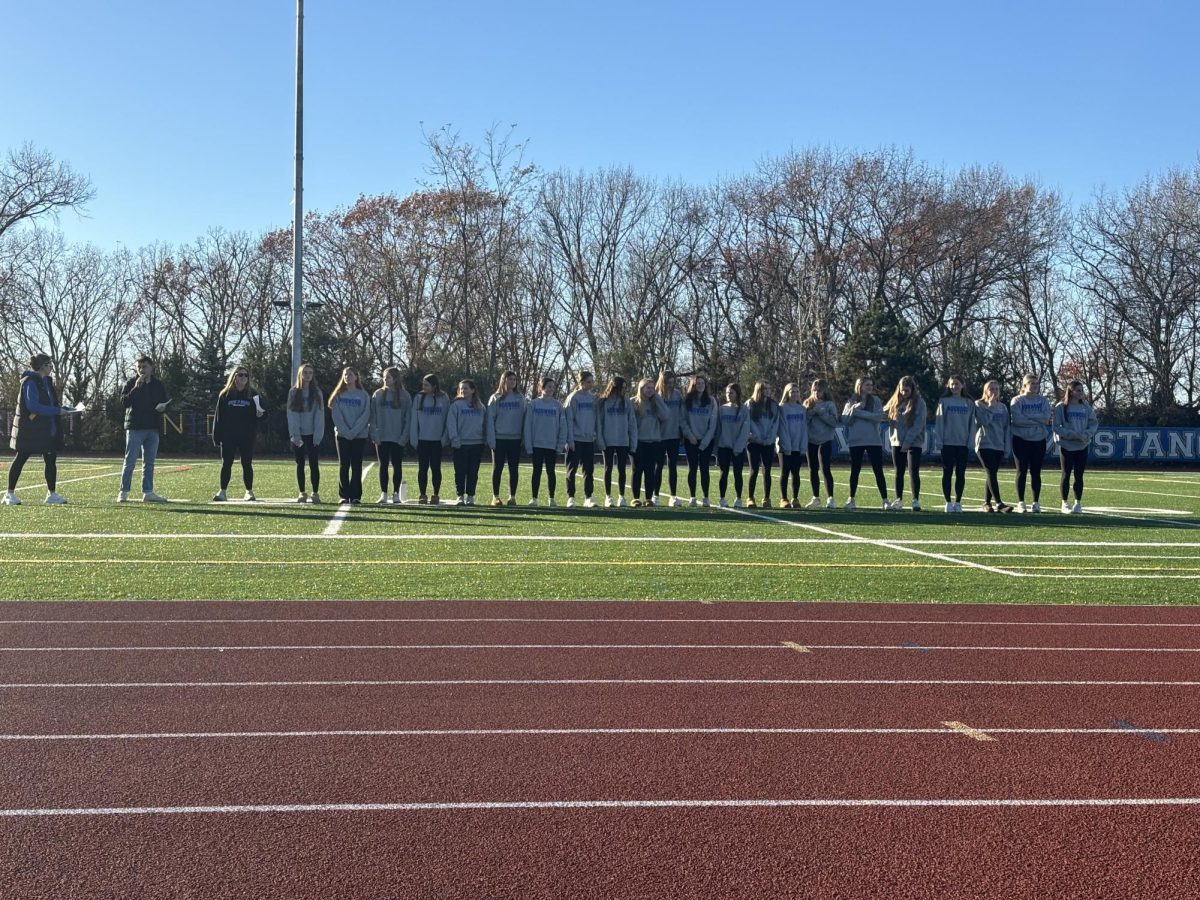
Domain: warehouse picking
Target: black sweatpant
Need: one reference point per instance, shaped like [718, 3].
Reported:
[1029, 456]
[991, 460]
[647, 462]
[669, 459]
[389, 455]
[507, 452]
[792, 463]
[761, 456]
[875, 454]
[18, 463]
[620, 456]
[429, 466]
[726, 458]
[1073, 463]
[699, 459]
[911, 460]
[954, 465]
[350, 458]
[230, 450]
[307, 452]
[466, 468]
[548, 459]
[821, 455]
[584, 455]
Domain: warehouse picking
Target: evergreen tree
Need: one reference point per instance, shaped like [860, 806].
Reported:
[882, 346]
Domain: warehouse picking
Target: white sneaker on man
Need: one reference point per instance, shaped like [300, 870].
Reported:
[1021, 507]
[1067, 508]
[570, 503]
[151, 497]
[1077, 509]
[589, 503]
[850, 504]
[122, 496]
[11, 499]
[54, 499]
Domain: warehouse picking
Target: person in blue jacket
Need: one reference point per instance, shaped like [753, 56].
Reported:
[36, 428]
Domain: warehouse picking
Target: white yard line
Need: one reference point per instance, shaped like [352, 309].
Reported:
[37, 485]
[1104, 490]
[339, 517]
[777, 646]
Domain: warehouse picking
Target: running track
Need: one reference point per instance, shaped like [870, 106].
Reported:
[541, 749]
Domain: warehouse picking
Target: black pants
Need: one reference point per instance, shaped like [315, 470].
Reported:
[910, 460]
[875, 455]
[307, 452]
[1073, 462]
[821, 455]
[790, 467]
[726, 458]
[429, 466]
[389, 455]
[620, 456]
[1029, 456]
[466, 468]
[18, 463]
[954, 463]
[350, 457]
[699, 459]
[647, 466]
[507, 452]
[761, 456]
[230, 450]
[584, 455]
[547, 459]
[669, 459]
[991, 460]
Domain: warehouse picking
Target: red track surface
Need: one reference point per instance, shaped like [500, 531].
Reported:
[974, 850]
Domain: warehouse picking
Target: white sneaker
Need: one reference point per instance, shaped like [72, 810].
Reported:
[957, 506]
[1067, 508]
[316, 498]
[302, 497]
[54, 499]
[896, 505]
[850, 504]
[737, 503]
[570, 502]
[383, 498]
[395, 498]
[1021, 507]
[249, 496]
[693, 503]
[675, 501]
[11, 499]
[589, 503]
[831, 503]
[724, 505]
[1077, 509]
[949, 507]
[122, 496]
[916, 505]
[1037, 507]
[705, 503]
[219, 496]
[532, 502]
[151, 497]
[890, 506]
[552, 503]
[653, 501]
[460, 500]
[608, 502]
[622, 501]
[814, 503]
[470, 499]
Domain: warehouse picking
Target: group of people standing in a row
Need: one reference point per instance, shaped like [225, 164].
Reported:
[645, 426]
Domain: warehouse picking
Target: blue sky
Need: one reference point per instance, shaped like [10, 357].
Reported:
[182, 112]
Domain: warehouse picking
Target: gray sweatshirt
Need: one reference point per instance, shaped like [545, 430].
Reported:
[673, 426]
[734, 431]
[1028, 417]
[765, 428]
[650, 419]
[581, 417]
[862, 422]
[352, 414]
[309, 421]
[618, 424]
[466, 425]
[793, 428]
[992, 432]
[906, 436]
[506, 418]
[391, 419]
[700, 422]
[822, 422]
[429, 414]
[545, 425]
[954, 422]
[1075, 425]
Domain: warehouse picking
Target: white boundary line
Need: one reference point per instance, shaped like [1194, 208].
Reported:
[472, 805]
[33, 485]
[339, 517]
[578, 682]
[273, 648]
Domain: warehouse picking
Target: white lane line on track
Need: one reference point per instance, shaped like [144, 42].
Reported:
[468, 806]
[558, 732]
[789, 646]
[339, 517]
[582, 682]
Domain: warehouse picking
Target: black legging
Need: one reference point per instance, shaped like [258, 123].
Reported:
[821, 455]
[307, 451]
[699, 459]
[619, 455]
[725, 458]
[350, 457]
[791, 465]
[389, 455]
[466, 468]
[669, 456]
[954, 462]
[875, 454]
[1073, 463]
[547, 459]
[230, 450]
[1029, 456]
[584, 455]
[991, 460]
[429, 461]
[18, 463]
[647, 462]
[507, 452]
[761, 456]
[911, 460]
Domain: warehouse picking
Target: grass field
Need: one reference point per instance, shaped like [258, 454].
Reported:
[1139, 542]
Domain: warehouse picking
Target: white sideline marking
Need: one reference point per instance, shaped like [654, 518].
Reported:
[1102, 490]
[235, 809]
[513, 682]
[784, 645]
[339, 517]
[540, 732]
[33, 485]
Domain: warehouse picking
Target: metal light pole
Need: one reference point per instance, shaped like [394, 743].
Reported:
[298, 211]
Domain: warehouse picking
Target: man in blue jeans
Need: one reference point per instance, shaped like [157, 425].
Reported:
[145, 398]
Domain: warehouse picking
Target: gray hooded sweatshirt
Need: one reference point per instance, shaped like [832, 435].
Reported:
[954, 422]
[352, 414]
[391, 418]
[545, 425]
[466, 425]
[1075, 425]
[310, 420]
[618, 424]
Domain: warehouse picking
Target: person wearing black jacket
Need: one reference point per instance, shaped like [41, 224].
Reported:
[145, 398]
[36, 428]
[234, 425]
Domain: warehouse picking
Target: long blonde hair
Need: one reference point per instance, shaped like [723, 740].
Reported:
[315, 397]
[341, 385]
[638, 400]
[791, 392]
[892, 408]
[233, 374]
[818, 393]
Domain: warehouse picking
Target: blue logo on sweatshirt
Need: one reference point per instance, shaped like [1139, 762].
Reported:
[431, 410]
[509, 404]
[544, 411]
[469, 411]
[350, 401]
